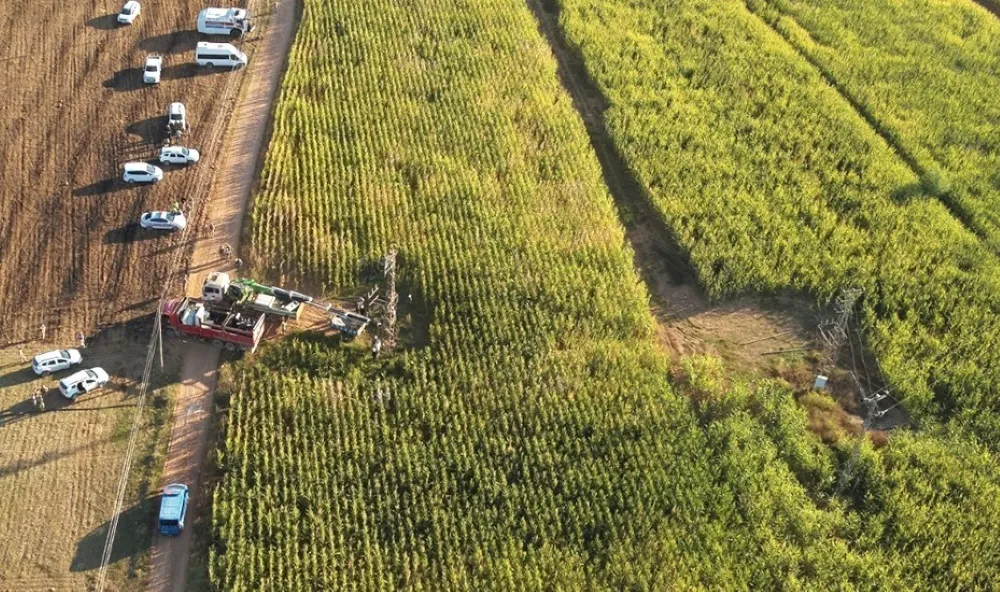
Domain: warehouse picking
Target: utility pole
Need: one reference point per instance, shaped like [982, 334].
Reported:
[159, 329]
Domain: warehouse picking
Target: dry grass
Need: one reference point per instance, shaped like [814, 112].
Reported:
[827, 418]
[59, 469]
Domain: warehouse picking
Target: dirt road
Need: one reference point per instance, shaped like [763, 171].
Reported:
[230, 197]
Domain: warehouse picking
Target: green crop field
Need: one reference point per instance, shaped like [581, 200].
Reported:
[528, 434]
[926, 74]
[772, 180]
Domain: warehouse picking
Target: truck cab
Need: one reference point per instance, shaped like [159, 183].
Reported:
[215, 287]
[173, 509]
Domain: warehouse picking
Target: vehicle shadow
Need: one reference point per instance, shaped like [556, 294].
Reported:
[17, 377]
[106, 22]
[125, 80]
[132, 538]
[175, 42]
[151, 130]
[129, 233]
[189, 70]
[103, 186]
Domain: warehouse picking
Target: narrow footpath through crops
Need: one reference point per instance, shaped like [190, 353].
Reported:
[231, 190]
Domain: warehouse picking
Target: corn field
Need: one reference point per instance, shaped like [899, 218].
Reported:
[772, 180]
[925, 73]
[532, 438]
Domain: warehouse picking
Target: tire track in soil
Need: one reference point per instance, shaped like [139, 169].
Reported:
[246, 142]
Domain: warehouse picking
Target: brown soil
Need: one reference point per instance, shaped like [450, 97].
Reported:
[74, 110]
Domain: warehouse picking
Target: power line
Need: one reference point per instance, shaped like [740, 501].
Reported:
[202, 190]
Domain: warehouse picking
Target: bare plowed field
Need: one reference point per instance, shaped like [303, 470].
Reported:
[74, 109]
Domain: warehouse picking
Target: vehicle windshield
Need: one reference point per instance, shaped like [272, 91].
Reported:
[184, 151]
[150, 169]
[92, 374]
[171, 216]
[126, 10]
[176, 116]
[168, 522]
[63, 353]
[151, 68]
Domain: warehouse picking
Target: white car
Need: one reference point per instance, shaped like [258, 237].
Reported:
[163, 220]
[129, 12]
[178, 155]
[142, 172]
[54, 361]
[152, 70]
[82, 382]
[177, 118]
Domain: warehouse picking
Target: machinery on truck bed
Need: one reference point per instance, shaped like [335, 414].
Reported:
[245, 293]
[224, 327]
[233, 313]
[248, 294]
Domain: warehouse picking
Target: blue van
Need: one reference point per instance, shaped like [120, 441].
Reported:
[173, 508]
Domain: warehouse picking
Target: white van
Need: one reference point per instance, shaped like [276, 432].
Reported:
[224, 21]
[219, 54]
[82, 382]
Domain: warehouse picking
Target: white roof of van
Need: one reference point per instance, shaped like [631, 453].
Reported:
[51, 355]
[217, 13]
[136, 166]
[207, 45]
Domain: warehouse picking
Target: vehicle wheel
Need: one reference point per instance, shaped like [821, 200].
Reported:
[235, 33]
[130, 180]
[217, 343]
[231, 346]
[209, 65]
[46, 372]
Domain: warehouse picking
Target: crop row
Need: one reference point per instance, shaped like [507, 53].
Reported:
[925, 74]
[534, 441]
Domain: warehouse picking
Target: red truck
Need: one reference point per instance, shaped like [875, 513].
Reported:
[224, 327]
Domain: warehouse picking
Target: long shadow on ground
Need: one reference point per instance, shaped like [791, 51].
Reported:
[175, 42]
[105, 22]
[132, 538]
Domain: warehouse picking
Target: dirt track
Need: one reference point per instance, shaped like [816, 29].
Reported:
[230, 198]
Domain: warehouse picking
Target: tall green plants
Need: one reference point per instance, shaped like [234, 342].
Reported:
[773, 180]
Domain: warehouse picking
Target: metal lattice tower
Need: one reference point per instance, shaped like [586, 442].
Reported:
[833, 332]
[391, 299]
